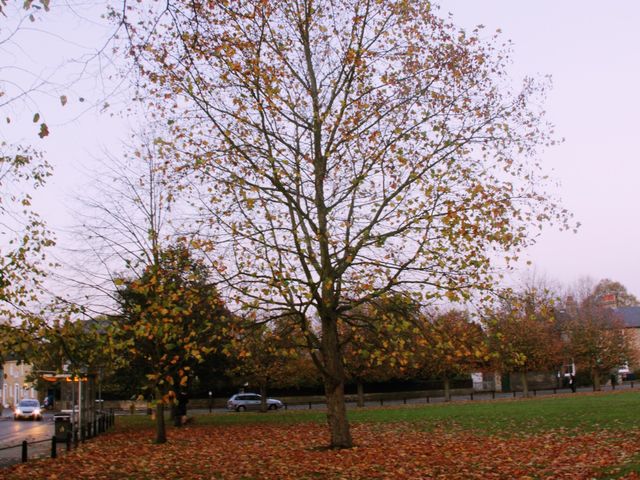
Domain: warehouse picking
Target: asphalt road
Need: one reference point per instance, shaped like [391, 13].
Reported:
[13, 433]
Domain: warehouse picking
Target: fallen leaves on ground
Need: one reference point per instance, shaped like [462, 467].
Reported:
[383, 451]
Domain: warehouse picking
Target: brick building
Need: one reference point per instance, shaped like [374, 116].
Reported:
[630, 316]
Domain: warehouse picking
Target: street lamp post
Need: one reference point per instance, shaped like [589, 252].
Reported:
[80, 408]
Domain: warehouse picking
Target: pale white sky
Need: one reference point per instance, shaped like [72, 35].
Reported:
[591, 49]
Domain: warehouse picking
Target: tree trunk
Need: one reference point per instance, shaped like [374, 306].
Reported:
[447, 389]
[263, 396]
[525, 384]
[334, 379]
[360, 386]
[595, 375]
[161, 431]
[337, 414]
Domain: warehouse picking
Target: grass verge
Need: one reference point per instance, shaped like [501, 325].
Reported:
[572, 413]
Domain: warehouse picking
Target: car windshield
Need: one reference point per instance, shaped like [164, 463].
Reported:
[29, 403]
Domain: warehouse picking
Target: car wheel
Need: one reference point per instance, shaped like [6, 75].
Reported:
[241, 408]
[273, 407]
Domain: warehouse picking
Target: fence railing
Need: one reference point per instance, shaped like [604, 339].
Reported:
[438, 396]
[69, 439]
[200, 405]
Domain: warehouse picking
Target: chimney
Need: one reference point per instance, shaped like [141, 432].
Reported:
[571, 306]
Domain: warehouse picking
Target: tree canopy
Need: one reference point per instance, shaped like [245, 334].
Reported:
[343, 146]
[450, 344]
[171, 317]
[613, 293]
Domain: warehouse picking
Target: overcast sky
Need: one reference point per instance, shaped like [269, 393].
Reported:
[591, 49]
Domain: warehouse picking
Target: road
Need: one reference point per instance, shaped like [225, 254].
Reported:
[13, 433]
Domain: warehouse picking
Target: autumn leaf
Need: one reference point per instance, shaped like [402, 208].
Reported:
[44, 130]
[282, 452]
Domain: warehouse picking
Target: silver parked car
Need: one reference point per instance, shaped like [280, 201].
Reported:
[28, 409]
[251, 401]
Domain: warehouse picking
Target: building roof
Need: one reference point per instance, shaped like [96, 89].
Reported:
[629, 315]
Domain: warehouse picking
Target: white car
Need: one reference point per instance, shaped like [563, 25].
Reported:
[251, 401]
[29, 409]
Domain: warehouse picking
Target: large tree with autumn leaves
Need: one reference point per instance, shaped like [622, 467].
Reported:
[352, 146]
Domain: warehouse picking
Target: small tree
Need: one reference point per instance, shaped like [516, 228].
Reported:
[613, 293]
[524, 335]
[596, 341]
[270, 356]
[450, 345]
[171, 317]
[377, 340]
[167, 313]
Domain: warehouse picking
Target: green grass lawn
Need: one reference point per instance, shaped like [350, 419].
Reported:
[573, 413]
